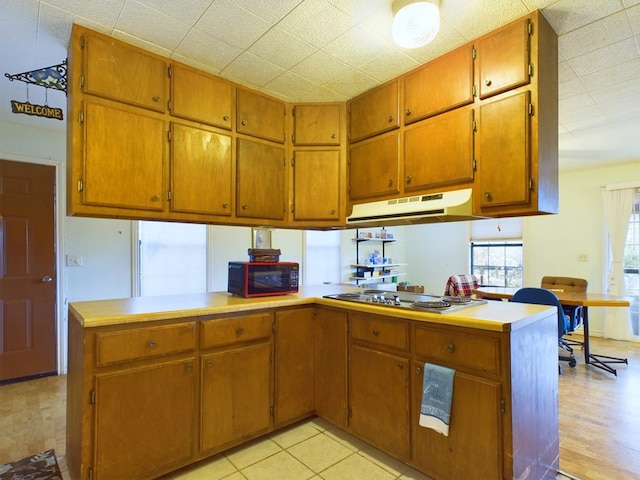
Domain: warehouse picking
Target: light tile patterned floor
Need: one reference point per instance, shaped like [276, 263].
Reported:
[312, 449]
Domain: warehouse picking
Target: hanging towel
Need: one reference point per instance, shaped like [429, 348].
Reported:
[437, 392]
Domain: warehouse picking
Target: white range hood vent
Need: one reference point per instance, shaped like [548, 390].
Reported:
[451, 206]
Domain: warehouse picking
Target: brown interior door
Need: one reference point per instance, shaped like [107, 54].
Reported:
[27, 270]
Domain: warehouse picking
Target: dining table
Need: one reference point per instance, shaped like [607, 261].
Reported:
[583, 299]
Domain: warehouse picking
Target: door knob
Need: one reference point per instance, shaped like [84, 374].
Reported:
[47, 279]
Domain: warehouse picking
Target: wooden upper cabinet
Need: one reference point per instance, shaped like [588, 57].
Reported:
[316, 185]
[440, 85]
[260, 116]
[123, 157]
[201, 97]
[316, 124]
[201, 171]
[260, 180]
[122, 72]
[374, 112]
[503, 58]
[373, 166]
[439, 150]
[504, 152]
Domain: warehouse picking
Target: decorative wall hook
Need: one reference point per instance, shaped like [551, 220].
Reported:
[54, 77]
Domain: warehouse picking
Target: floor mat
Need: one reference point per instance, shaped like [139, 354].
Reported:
[42, 466]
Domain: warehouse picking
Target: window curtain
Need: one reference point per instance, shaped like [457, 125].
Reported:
[617, 209]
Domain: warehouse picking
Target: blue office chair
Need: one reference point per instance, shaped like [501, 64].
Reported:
[542, 296]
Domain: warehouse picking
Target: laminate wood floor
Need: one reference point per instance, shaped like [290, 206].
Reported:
[599, 425]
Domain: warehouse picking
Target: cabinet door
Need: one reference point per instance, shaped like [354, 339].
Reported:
[475, 431]
[294, 389]
[201, 97]
[439, 150]
[503, 59]
[144, 420]
[317, 124]
[124, 158]
[260, 116]
[440, 85]
[379, 397]
[330, 343]
[374, 112]
[122, 72]
[316, 185]
[260, 180]
[201, 171]
[236, 395]
[504, 150]
[373, 166]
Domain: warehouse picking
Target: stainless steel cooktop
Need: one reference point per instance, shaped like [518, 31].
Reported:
[406, 300]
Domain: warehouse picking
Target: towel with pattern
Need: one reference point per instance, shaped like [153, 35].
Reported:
[437, 393]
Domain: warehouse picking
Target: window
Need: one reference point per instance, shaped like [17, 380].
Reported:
[322, 257]
[631, 263]
[172, 258]
[497, 264]
[496, 252]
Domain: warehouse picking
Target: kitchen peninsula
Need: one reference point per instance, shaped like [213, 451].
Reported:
[158, 383]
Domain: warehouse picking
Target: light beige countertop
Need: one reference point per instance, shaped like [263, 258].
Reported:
[494, 315]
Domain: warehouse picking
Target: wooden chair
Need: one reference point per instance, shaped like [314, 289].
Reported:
[574, 312]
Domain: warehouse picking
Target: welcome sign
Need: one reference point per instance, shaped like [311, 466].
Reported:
[36, 110]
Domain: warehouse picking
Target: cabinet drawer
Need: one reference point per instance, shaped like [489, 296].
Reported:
[223, 331]
[456, 348]
[140, 343]
[379, 330]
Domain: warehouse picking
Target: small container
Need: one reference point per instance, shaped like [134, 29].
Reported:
[264, 255]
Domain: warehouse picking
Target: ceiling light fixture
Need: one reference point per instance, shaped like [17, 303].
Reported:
[415, 23]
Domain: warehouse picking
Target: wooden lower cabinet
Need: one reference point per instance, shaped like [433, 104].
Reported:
[236, 395]
[294, 365]
[473, 436]
[379, 399]
[330, 342]
[144, 420]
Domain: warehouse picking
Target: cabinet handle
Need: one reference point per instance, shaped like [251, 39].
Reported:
[245, 206]
[375, 332]
[451, 348]
[408, 179]
[333, 212]
[391, 182]
[156, 98]
[155, 198]
[333, 135]
[151, 344]
[487, 83]
[487, 194]
[401, 366]
[188, 367]
[418, 369]
[225, 205]
[245, 122]
[209, 363]
[239, 331]
[226, 118]
[390, 119]
[408, 112]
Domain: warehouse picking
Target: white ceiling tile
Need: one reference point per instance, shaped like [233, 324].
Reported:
[290, 86]
[356, 46]
[316, 22]
[565, 72]
[352, 83]
[610, 93]
[320, 68]
[98, 11]
[258, 70]
[282, 48]
[599, 34]
[612, 76]
[634, 17]
[568, 15]
[270, 10]
[186, 11]
[382, 67]
[360, 9]
[579, 114]
[577, 101]
[323, 94]
[205, 49]
[603, 58]
[158, 28]
[569, 89]
[233, 25]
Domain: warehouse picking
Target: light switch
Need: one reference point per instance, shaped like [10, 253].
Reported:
[74, 260]
[583, 257]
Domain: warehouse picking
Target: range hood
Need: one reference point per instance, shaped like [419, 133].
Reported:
[451, 206]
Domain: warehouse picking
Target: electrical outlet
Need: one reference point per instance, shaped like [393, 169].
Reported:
[583, 257]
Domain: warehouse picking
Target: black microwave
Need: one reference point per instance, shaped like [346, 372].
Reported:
[261, 279]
